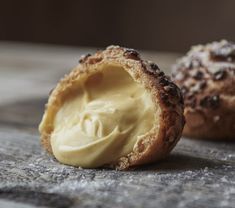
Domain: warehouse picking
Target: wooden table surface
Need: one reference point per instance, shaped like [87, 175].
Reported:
[196, 174]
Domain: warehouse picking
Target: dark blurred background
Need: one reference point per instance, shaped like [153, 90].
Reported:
[162, 25]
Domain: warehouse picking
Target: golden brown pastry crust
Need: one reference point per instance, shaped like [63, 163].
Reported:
[167, 95]
[206, 76]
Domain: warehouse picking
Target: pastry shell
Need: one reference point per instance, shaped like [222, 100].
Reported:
[206, 76]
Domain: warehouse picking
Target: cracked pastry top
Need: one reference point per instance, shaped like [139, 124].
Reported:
[115, 110]
[206, 76]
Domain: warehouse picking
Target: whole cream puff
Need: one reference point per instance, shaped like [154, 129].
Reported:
[206, 76]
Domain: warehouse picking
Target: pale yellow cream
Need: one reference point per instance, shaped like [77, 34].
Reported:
[103, 121]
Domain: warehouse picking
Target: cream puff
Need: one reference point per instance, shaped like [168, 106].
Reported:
[206, 76]
[113, 110]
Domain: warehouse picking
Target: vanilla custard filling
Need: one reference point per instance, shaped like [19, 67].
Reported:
[103, 120]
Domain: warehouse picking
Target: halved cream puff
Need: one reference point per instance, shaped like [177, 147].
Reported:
[114, 109]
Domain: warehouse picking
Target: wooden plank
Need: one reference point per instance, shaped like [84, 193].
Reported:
[196, 174]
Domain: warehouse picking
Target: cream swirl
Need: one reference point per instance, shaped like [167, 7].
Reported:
[103, 121]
